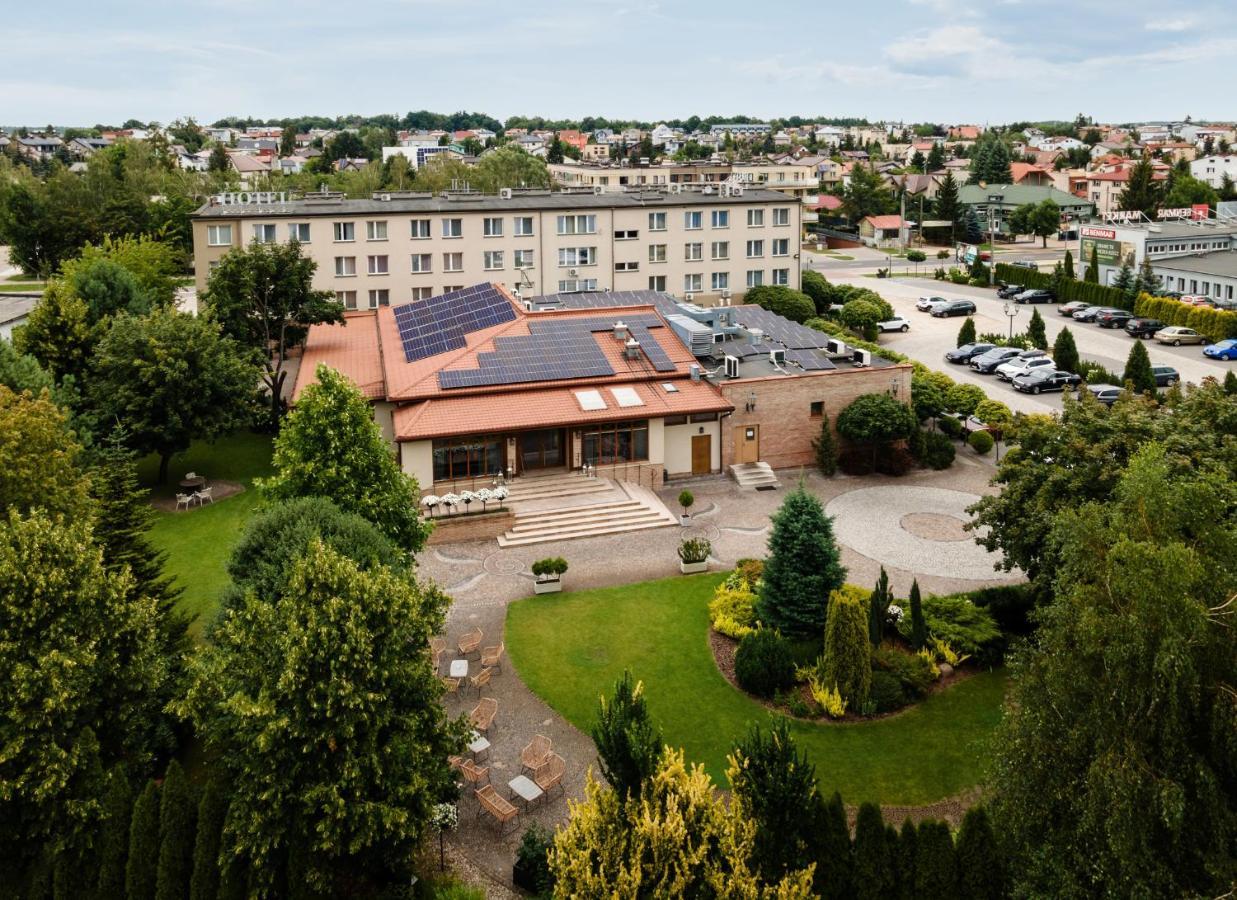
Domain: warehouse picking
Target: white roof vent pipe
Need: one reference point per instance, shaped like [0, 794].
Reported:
[620, 331]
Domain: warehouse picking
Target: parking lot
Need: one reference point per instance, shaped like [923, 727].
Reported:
[929, 338]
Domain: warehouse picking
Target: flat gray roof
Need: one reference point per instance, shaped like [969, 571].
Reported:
[652, 200]
[1185, 229]
[1219, 262]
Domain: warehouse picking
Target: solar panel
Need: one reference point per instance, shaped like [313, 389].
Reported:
[809, 360]
[791, 335]
[664, 303]
[438, 324]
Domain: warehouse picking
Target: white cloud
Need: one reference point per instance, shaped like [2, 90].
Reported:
[1182, 24]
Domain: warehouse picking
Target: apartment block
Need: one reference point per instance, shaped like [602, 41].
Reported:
[397, 247]
[789, 178]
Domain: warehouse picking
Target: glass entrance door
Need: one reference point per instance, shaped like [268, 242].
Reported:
[541, 449]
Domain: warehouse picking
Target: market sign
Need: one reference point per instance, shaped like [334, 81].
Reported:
[1123, 215]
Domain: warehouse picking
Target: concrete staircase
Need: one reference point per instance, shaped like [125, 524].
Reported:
[753, 476]
[545, 514]
[554, 488]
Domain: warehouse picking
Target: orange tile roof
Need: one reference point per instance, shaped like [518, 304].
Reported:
[1021, 170]
[884, 223]
[543, 408]
[351, 348]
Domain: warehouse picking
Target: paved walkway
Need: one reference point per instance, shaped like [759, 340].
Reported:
[911, 525]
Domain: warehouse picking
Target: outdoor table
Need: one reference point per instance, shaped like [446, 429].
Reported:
[192, 484]
[459, 668]
[525, 788]
[479, 745]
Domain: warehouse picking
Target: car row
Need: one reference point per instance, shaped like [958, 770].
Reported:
[1033, 371]
[1139, 326]
[943, 308]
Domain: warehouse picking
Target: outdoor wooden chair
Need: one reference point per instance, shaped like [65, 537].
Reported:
[493, 656]
[204, 495]
[452, 684]
[499, 808]
[482, 716]
[536, 753]
[184, 500]
[455, 762]
[549, 775]
[437, 645]
[470, 642]
[480, 680]
[473, 773]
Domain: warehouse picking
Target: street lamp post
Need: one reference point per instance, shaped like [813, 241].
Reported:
[1011, 311]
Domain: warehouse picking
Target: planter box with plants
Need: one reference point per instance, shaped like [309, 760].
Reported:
[686, 499]
[549, 574]
[694, 556]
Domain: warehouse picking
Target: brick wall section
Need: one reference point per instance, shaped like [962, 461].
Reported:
[473, 527]
[783, 408]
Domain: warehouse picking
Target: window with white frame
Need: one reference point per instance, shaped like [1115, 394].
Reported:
[345, 266]
[781, 247]
[492, 226]
[576, 256]
[693, 282]
[453, 262]
[755, 249]
[452, 287]
[629, 234]
[657, 253]
[452, 228]
[583, 224]
[347, 298]
[781, 276]
[523, 226]
[376, 231]
[755, 277]
[379, 297]
[627, 267]
[422, 262]
[577, 285]
[523, 259]
[693, 220]
[345, 231]
[378, 265]
[299, 232]
[720, 281]
[420, 229]
[755, 218]
[493, 259]
[264, 233]
[720, 250]
[422, 293]
[219, 235]
[781, 215]
[720, 218]
[693, 252]
[657, 282]
[657, 221]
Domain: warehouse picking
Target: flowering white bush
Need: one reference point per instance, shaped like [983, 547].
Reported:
[485, 495]
[467, 497]
[895, 612]
[444, 816]
[450, 500]
[430, 502]
[499, 493]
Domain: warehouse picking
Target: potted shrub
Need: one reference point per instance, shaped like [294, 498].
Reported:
[694, 556]
[686, 499]
[549, 574]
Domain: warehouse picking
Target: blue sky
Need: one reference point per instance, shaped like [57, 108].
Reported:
[78, 62]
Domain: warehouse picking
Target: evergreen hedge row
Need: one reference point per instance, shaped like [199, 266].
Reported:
[1067, 289]
[1217, 324]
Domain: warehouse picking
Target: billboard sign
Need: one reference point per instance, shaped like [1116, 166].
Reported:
[1108, 250]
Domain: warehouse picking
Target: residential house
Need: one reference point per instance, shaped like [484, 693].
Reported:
[880, 231]
[1002, 199]
[85, 147]
[1212, 169]
[39, 147]
[1026, 173]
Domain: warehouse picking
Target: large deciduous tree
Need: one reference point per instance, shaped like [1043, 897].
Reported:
[323, 709]
[330, 446]
[58, 332]
[803, 567]
[171, 378]
[264, 298]
[875, 420]
[39, 458]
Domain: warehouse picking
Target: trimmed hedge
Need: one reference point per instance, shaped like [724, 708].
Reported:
[1217, 324]
[1067, 289]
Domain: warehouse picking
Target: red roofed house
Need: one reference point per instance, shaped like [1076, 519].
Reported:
[964, 132]
[573, 138]
[1104, 188]
[879, 230]
[1026, 173]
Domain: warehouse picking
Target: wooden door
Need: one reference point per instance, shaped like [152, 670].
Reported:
[702, 454]
[747, 443]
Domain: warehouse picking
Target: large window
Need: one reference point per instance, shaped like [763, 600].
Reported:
[264, 234]
[420, 229]
[376, 231]
[617, 442]
[218, 235]
[523, 225]
[299, 231]
[378, 265]
[577, 256]
[452, 228]
[720, 218]
[493, 259]
[468, 457]
[577, 224]
[345, 231]
[692, 221]
[492, 227]
[657, 221]
[523, 259]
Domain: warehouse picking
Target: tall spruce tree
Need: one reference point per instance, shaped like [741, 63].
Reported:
[919, 627]
[212, 810]
[873, 856]
[142, 867]
[804, 566]
[936, 862]
[1068, 267]
[1036, 332]
[947, 207]
[114, 835]
[1141, 192]
[906, 861]
[1149, 282]
[973, 230]
[177, 813]
[981, 869]
[629, 745]
[1138, 370]
[878, 609]
[1065, 351]
[1092, 275]
[966, 334]
[834, 871]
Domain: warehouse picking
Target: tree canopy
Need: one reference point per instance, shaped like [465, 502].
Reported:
[803, 567]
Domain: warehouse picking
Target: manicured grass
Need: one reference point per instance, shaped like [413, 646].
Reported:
[20, 287]
[199, 542]
[570, 648]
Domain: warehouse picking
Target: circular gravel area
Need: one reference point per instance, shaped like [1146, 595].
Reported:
[912, 528]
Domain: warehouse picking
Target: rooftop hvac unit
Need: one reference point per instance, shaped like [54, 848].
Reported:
[777, 357]
[695, 372]
[756, 335]
[504, 193]
[732, 367]
[620, 330]
[862, 358]
[632, 349]
[689, 296]
[834, 346]
[598, 189]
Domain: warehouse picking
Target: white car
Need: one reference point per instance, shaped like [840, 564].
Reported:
[897, 323]
[925, 304]
[1020, 364]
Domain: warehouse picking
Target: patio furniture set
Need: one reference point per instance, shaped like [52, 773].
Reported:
[193, 490]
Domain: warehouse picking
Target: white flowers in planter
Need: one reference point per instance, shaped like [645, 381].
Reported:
[430, 502]
[499, 494]
[450, 501]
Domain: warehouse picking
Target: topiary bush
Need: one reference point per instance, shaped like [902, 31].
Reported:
[913, 672]
[949, 426]
[763, 664]
[934, 449]
[981, 442]
[732, 611]
[886, 692]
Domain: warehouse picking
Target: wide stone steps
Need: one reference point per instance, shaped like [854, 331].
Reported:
[634, 513]
[753, 476]
[553, 487]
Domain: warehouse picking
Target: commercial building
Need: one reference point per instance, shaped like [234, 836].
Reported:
[1003, 199]
[1172, 244]
[396, 247]
[1211, 275]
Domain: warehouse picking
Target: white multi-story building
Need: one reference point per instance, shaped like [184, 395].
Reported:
[1212, 169]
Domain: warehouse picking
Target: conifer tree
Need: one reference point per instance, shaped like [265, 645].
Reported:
[936, 863]
[176, 835]
[114, 835]
[919, 628]
[947, 208]
[833, 860]
[1065, 351]
[213, 808]
[1141, 192]
[878, 609]
[848, 652]
[1092, 275]
[1138, 369]
[825, 448]
[142, 867]
[966, 334]
[1036, 332]
[873, 856]
[1149, 282]
[1230, 382]
[1069, 265]
[1125, 278]
[906, 861]
[981, 871]
[803, 567]
[629, 745]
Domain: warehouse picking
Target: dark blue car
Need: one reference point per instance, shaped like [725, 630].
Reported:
[1222, 350]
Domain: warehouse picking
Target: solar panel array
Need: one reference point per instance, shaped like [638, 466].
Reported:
[809, 360]
[664, 303]
[433, 326]
[555, 350]
[791, 335]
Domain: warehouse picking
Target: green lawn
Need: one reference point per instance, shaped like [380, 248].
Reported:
[199, 542]
[570, 648]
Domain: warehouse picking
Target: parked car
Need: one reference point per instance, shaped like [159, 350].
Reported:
[1110, 317]
[1105, 393]
[1040, 379]
[1178, 335]
[1007, 370]
[954, 308]
[1009, 290]
[1068, 309]
[1165, 376]
[967, 352]
[986, 363]
[1039, 295]
[924, 304]
[1143, 328]
[1087, 314]
[897, 323]
[1222, 350]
